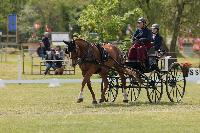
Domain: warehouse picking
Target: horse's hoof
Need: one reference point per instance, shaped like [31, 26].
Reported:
[101, 100]
[125, 101]
[94, 102]
[80, 100]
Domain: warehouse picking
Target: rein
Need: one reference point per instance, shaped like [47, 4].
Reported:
[88, 55]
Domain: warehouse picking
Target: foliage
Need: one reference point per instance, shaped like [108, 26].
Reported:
[102, 17]
[26, 20]
[107, 19]
[125, 44]
[9, 7]
[60, 15]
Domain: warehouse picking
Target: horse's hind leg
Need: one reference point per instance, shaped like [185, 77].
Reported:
[105, 81]
[92, 92]
[125, 95]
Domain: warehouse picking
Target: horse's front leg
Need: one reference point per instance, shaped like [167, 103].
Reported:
[92, 92]
[80, 97]
[86, 79]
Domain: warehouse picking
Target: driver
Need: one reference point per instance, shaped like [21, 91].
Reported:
[141, 43]
[142, 33]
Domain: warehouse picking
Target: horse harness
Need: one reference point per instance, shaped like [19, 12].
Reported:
[103, 53]
[89, 57]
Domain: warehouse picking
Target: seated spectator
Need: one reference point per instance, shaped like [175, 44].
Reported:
[50, 56]
[59, 55]
[41, 51]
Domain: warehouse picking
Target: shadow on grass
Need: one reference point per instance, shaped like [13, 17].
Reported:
[138, 103]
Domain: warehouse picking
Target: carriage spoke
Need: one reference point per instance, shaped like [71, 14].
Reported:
[112, 93]
[180, 80]
[155, 96]
[137, 89]
[179, 92]
[158, 97]
[151, 92]
[180, 86]
[158, 91]
[171, 90]
[152, 95]
[134, 94]
[131, 94]
[176, 92]
[109, 98]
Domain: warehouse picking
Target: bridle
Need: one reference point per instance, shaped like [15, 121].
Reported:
[78, 58]
[74, 54]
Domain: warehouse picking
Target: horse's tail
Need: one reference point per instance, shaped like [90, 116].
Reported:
[134, 73]
[120, 58]
[120, 61]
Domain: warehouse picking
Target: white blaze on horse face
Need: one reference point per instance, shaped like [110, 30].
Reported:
[80, 95]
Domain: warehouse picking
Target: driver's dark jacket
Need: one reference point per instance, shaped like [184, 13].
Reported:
[143, 35]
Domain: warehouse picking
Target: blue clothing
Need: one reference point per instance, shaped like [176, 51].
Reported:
[144, 35]
[50, 56]
[48, 66]
[41, 52]
[157, 41]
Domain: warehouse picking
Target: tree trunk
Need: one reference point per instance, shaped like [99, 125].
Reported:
[176, 27]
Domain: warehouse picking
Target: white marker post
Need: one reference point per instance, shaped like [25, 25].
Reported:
[54, 83]
[2, 84]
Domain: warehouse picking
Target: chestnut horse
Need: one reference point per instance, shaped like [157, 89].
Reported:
[88, 57]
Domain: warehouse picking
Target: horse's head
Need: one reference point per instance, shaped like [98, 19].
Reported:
[73, 50]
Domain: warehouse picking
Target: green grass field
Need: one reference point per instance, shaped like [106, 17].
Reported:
[33, 108]
[36, 108]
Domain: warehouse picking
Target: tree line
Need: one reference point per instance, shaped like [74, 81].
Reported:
[105, 20]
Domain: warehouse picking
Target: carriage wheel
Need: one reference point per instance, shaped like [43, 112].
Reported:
[133, 89]
[175, 83]
[154, 87]
[111, 93]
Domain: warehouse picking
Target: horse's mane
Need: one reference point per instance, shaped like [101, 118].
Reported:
[80, 39]
[83, 40]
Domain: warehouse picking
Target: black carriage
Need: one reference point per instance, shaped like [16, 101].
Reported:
[156, 74]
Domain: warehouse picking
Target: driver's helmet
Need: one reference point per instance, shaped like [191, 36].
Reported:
[142, 19]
